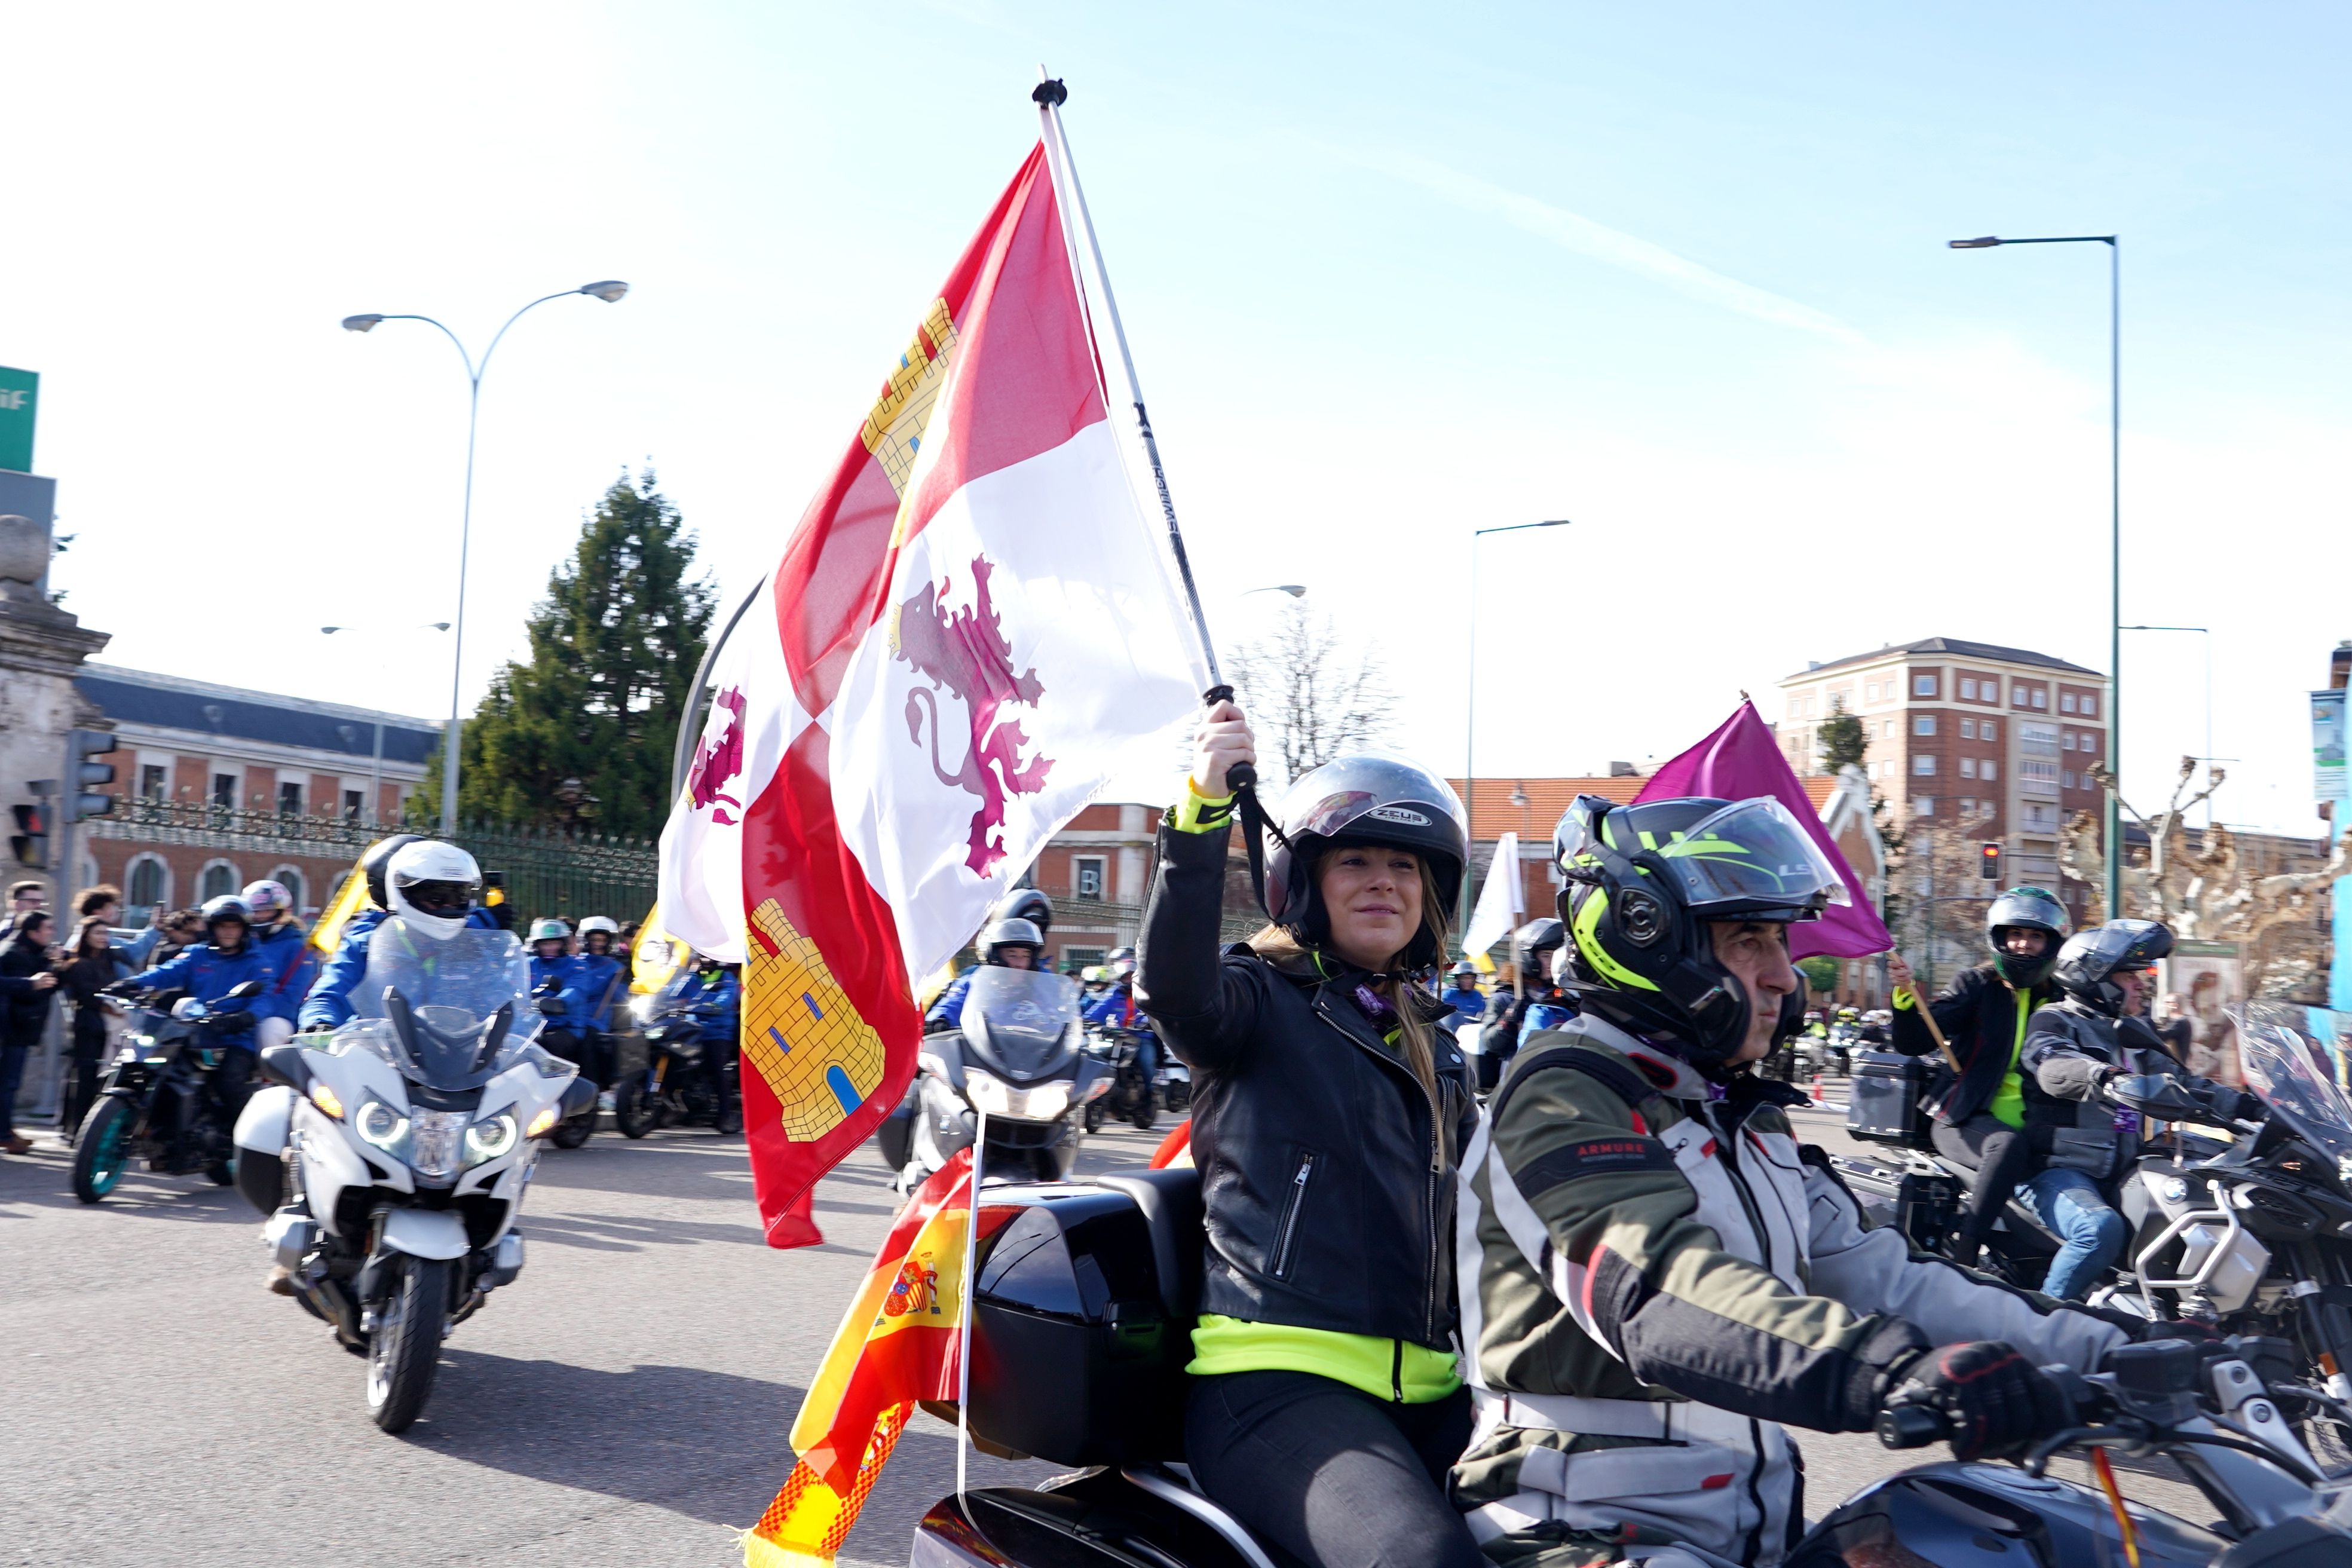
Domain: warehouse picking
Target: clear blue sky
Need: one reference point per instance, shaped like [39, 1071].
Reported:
[1388, 277]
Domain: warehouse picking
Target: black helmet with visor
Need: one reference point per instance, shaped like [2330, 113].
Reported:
[1366, 798]
[2030, 908]
[2089, 961]
[1644, 885]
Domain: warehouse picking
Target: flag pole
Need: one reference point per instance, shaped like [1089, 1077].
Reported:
[689, 725]
[1049, 95]
[971, 1297]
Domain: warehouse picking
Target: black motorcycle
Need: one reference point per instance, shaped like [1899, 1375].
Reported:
[1133, 1096]
[1086, 1297]
[584, 1047]
[157, 1102]
[689, 1078]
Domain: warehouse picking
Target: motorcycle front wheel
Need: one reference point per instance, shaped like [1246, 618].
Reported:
[572, 1133]
[632, 1113]
[102, 1151]
[406, 1349]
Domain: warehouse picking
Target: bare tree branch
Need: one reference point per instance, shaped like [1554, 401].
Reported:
[1308, 701]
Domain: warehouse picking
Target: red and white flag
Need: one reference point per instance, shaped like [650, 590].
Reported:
[972, 628]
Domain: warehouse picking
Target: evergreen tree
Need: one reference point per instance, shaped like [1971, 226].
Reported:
[580, 737]
[1843, 740]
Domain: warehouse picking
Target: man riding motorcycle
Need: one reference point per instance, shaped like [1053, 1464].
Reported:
[705, 982]
[1468, 1003]
[605, 979]
[1978, 1115]
[227, 959]
[286, 948]
[1506, 1010]
[556, 975]
[435, 887]
[1009, 944]
[1115, 1007]
[2074, 1048]
[1653, 1274]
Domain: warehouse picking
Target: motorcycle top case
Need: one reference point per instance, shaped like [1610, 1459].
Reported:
[1884, 1097]
[1083, 1321]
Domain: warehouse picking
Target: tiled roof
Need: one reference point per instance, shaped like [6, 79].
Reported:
[169, 702]
[1492, 813]
[1957, 648]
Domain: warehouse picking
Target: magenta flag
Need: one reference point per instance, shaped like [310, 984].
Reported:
[1741, 760]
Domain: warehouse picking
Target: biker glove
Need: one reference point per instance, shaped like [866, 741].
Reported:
[1995, 1401]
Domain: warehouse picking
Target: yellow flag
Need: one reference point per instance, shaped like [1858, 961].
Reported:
[327, 932]
[656, 957]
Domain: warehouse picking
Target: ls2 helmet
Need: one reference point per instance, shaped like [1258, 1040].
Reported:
[433, 886]
[1536, 941]
[2035, 909]
[377, 857]
[227, 907]
[268, 901]
[1009, 933]
[1368, 798]
[2087, 964]
[1644, 882]
[1024, 904]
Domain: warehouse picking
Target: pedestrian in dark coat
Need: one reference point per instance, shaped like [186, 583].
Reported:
[93, 964]
[25, 982]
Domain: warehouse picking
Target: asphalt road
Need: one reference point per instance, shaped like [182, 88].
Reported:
[626, 1402]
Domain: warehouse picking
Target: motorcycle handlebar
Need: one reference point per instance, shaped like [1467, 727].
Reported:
[1912, 1426]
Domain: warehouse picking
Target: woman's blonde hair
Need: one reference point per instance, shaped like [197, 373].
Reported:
[1414, 1034]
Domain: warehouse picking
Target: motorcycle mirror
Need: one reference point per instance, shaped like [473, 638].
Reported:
[2153, 1094]
[239, 993]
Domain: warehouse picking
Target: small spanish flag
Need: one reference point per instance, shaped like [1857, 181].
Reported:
[896, 1347]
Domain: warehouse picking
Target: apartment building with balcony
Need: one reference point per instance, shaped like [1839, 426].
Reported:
[1972, 740]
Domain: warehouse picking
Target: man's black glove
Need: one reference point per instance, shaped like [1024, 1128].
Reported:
[2235, 1103]
[1995, 1401]
[236, 1020]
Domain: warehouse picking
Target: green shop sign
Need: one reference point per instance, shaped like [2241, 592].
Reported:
[19, 397]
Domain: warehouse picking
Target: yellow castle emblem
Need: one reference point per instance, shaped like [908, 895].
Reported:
[801, 1034]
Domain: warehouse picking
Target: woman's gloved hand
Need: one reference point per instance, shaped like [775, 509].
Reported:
[1223, 741]
[1994, 1400]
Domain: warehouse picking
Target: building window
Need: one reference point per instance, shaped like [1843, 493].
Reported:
[1968, 729]
[1923, 805]
[1968, 770]
[290, 800]
[2069, 741]
[224, 791]
[1967, 806]
[2041, 699]
[218, 880]
[150, 781]
[1923, 686]
[1989, 731]
[2018, 699]
[2066, 777]
[353, 803]
[2041, 818]
[2065, 703]
[1988, 770]
[1923, 724]
[1086, 876]
[2090, 707]
[1967, 689]
[1924, 765]
[151, 884]
[2090, 743]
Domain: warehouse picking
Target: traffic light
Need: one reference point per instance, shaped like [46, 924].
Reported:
[30, 842]
[82, 773]
[1989, 862]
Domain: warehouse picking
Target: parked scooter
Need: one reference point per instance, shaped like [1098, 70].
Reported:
[392, 1156]
[157, 1102]
[690, 1077]
[1019, 1055]
[1091, 1378]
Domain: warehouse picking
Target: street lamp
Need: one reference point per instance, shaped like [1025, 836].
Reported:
[611, 291]
[2112, 837]
[2209, 759]
[1470, 722]
[1295, 590]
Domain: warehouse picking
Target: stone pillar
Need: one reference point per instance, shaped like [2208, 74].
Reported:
[41, 649]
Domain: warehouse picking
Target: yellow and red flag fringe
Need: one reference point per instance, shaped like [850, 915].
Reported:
[1176, 1149]
[896, 1346]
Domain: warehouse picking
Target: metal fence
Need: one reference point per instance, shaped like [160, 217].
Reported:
[546, 872]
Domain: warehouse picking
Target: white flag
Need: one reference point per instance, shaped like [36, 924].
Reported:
[1502, 903]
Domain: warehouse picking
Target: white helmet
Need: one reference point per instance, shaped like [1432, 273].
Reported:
[604, 923]
[547, 928]
[432, 886]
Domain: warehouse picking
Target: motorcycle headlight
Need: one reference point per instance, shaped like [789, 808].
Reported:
[377, 1123]
[987, 1091]
[1045, 1101]
[488, 1140]
[641, 1007]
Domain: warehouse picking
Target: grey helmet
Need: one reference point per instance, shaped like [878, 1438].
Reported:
[1368, 797]
[2037, 908]
[2089, 960]
[1009, 933]
[1024, 904]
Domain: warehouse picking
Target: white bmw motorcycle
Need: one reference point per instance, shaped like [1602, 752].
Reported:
[392, 1155]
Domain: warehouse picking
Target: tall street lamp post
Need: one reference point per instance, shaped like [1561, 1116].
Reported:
[1470, 709]
[2113, 834]
[611, 291]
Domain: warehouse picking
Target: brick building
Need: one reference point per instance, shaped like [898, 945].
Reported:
[1098, 871]
[1982, 743]
[195, 757]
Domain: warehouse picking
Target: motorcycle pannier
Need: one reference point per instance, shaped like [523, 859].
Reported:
[1883, 1099]
[1086, 1298]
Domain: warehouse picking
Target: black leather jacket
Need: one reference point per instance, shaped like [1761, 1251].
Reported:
[1979, 1018]
[1327, 1181]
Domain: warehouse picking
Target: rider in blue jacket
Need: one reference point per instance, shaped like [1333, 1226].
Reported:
[286, 948]
[208, 974]
[1116, 1008]
[435, 887]
[605, 981]
[1469, 1002]
[1009, 944]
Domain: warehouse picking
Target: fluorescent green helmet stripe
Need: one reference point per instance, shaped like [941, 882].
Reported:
[1588, 918]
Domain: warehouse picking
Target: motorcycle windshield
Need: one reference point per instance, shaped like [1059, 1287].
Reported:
[1023, 1019]
[436, 1004]
[2288, 1053]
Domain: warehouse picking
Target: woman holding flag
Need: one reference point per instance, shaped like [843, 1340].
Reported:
[1329, 1107]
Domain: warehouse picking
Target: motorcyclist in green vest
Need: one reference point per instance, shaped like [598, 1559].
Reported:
[1978, 1113]
[1655, 1275]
